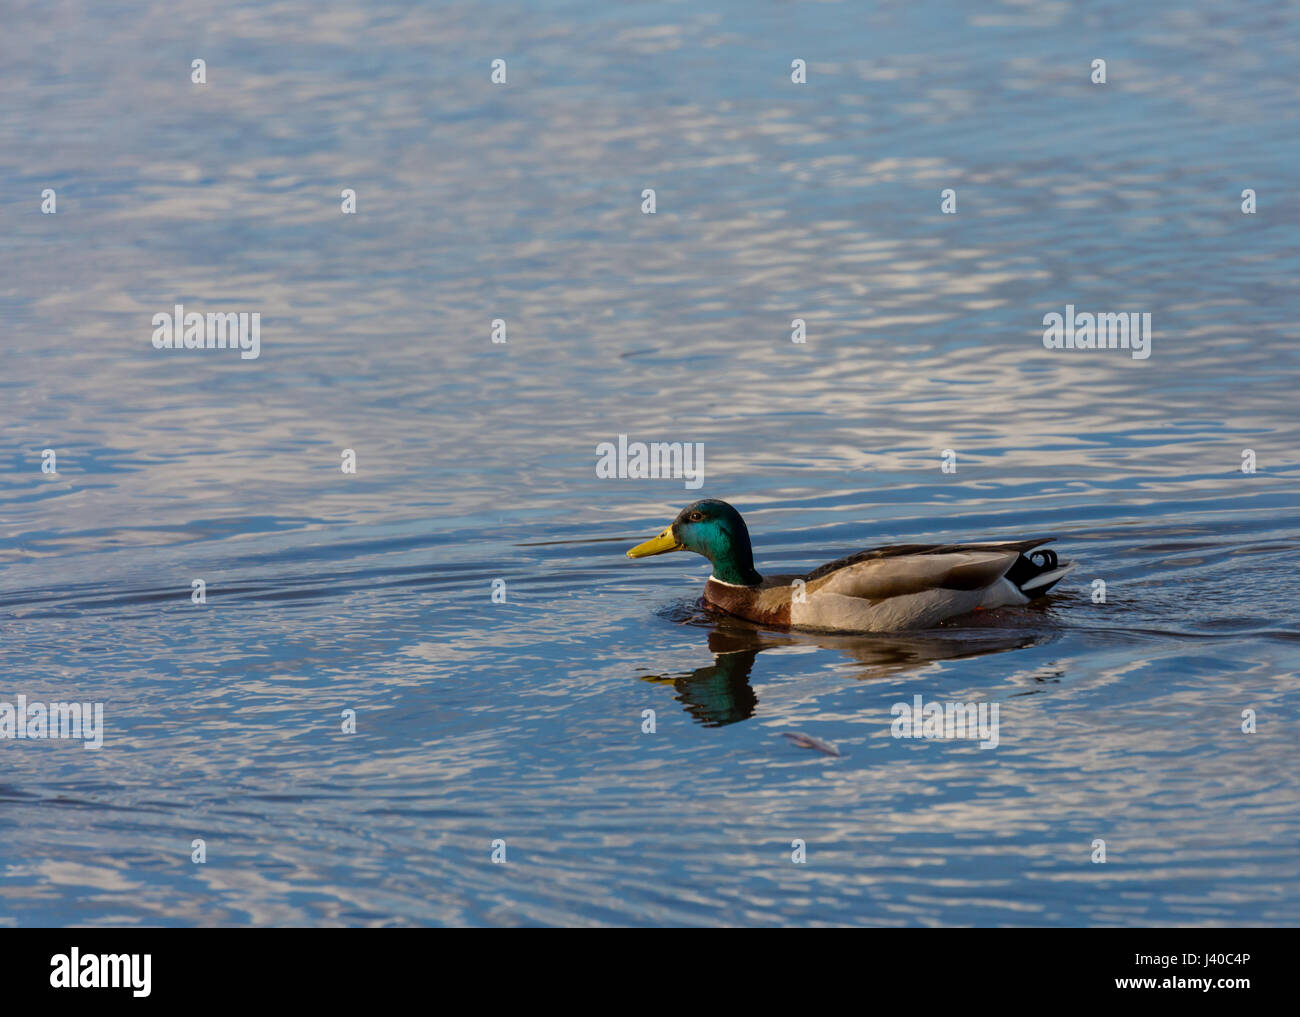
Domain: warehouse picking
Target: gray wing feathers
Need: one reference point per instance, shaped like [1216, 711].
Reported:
[907, 550]
[966, 567]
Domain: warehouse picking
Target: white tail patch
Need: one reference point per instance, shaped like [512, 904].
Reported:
[1047, 577]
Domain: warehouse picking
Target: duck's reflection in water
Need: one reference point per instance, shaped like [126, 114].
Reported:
[719, 693]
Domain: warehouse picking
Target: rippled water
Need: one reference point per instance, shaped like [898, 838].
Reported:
[522, 721]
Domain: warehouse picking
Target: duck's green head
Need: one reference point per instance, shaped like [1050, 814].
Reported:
[714, 529]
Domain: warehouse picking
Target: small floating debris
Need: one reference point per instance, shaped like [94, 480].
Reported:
[807, 741]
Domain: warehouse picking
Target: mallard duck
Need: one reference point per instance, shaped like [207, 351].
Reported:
[904, 586]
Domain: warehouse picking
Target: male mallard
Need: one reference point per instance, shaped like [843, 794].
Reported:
[905, 586]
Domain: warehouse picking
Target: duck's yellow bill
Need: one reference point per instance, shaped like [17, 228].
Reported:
[661, 544]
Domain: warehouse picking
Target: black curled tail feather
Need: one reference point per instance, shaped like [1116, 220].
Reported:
[1029, 567]
[1049, 561]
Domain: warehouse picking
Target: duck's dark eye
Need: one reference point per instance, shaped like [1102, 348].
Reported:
[696, 517]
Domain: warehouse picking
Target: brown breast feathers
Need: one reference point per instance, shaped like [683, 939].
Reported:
[768, 604]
